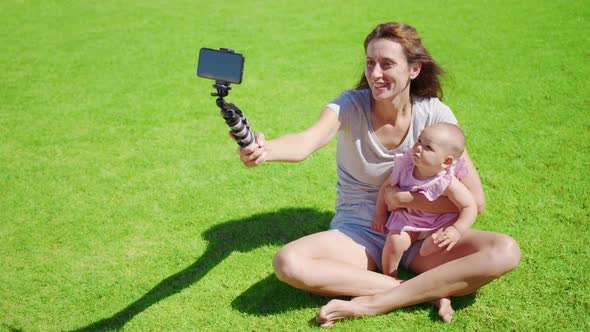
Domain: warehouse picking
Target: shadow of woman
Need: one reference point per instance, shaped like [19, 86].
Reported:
[275, 228]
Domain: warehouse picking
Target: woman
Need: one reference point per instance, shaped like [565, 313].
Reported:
[395, 99]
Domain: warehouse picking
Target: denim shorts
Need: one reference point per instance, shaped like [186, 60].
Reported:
[354, 221]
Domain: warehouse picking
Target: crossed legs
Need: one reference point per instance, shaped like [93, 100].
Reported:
[476, 260]
[330, 263]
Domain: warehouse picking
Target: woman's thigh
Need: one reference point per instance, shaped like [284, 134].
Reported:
[330, 246]
[499, 249]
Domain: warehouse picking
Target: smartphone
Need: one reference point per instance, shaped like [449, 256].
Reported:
[220, 65]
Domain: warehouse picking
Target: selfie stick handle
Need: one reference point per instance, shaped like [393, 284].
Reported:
[235, 119]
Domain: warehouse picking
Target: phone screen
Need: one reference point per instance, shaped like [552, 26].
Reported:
[220, 65]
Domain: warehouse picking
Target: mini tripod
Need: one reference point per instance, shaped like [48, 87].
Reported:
[235, 119]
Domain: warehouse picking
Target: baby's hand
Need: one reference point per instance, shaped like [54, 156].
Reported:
[447, 238]
[379, 221]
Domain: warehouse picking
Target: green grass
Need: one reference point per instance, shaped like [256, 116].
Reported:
[123, 203]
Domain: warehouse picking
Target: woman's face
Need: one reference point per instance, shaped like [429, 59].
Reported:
[387, 70]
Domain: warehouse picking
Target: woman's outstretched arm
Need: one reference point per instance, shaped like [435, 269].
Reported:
[293, 147]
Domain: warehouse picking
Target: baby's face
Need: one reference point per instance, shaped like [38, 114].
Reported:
[428, 154]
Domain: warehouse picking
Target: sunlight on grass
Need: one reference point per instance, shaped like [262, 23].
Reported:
[123, 203]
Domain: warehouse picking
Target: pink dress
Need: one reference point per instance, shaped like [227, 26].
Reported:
[409, 220]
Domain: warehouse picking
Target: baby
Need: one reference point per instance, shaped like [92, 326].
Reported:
[431, 167]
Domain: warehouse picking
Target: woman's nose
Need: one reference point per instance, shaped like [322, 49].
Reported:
[376, 72]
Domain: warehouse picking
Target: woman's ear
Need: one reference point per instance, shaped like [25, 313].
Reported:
[415, 70]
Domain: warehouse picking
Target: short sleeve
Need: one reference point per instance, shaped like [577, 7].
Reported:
[428, 111]
[341, 104]
[441, 113]
[347, 103]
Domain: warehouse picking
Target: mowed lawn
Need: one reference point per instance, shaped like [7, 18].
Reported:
[123, 204]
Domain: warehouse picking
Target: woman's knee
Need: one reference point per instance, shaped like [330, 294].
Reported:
[504, 255]
[512, 252]
[287, 265]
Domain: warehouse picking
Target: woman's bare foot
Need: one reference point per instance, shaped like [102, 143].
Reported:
[336, 310]
[445, 310]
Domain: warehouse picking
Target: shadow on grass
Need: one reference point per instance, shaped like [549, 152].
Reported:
[276, 228]
[271, 296]
[10, 328]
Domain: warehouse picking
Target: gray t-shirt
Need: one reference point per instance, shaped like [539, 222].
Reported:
[363, 162]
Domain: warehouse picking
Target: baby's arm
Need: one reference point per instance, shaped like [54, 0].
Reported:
[381, 213]
[458, 193]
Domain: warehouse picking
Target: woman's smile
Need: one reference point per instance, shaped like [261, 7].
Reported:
[380, 86]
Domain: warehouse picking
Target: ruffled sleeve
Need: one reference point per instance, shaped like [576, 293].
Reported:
[433, 189]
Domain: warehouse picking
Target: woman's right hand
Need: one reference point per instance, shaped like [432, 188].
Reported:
[396, 198]
[255, 153]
